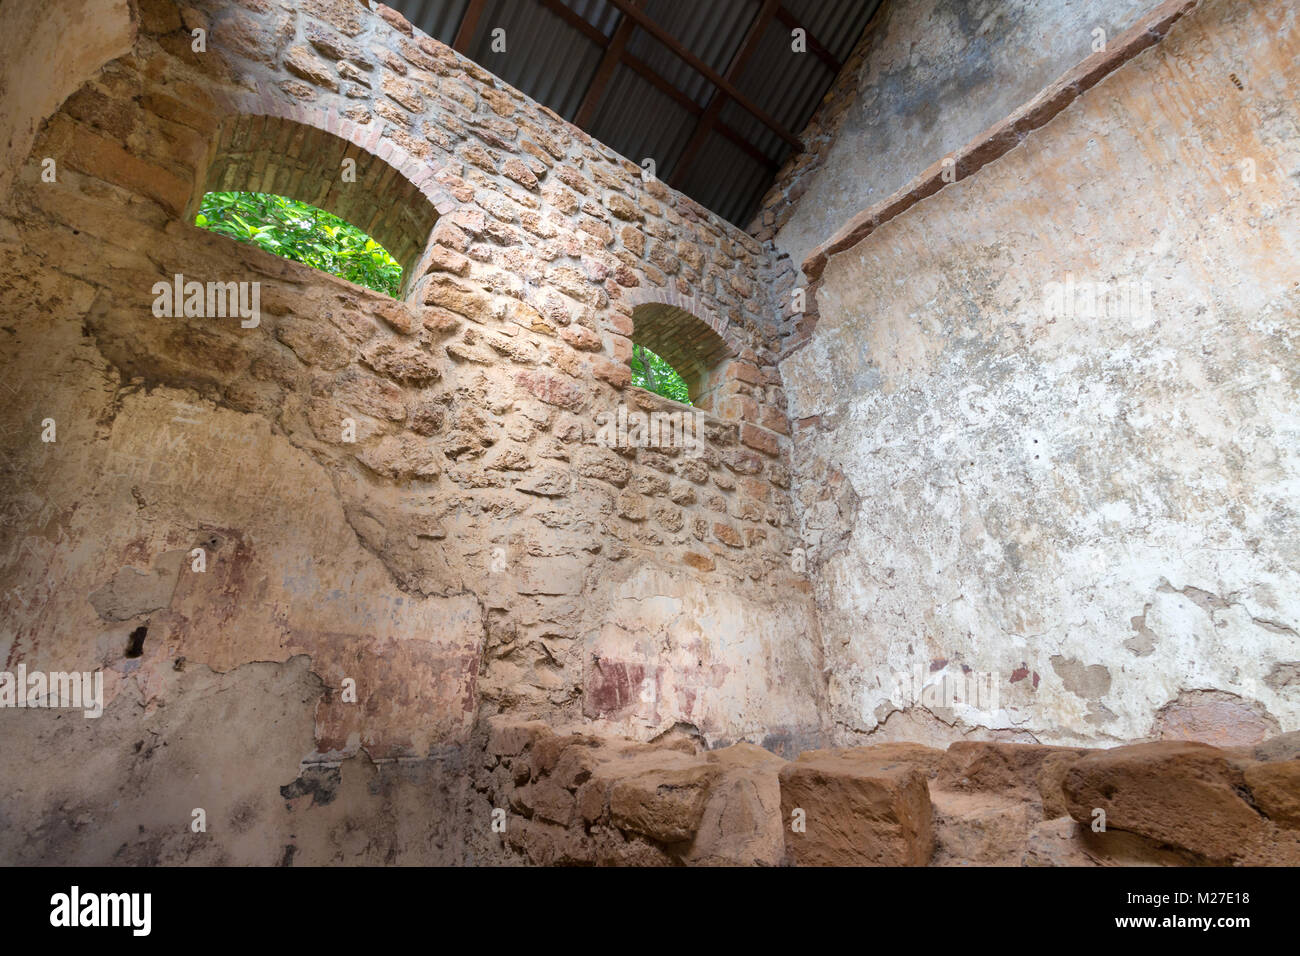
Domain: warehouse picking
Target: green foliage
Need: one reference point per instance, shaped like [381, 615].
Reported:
[653, 374]
[304, 234]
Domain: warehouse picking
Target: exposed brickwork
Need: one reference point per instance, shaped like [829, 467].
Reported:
[282, 155]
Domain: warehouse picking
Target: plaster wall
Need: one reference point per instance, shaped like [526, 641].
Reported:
[1095, 508]
[928, 77]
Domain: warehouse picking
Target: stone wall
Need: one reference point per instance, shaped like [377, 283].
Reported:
[39, 68]
[412, 496]
[359, 571]
[1092, 506]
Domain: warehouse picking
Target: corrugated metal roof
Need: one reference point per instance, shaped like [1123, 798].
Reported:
[554, 62]
[438, 18]
[640, 121]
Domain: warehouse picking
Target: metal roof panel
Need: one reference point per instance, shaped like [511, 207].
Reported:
[554, 63]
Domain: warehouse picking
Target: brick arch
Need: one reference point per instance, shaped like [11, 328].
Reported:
[683, 332]
[264, 144]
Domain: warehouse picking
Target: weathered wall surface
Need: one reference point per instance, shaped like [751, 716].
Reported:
[1092, 514]
[122, 790]
[928, 77]
[474, 550]
[39, 68]
[1098, 511]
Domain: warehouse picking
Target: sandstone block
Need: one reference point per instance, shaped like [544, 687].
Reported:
[1184, 794]
[664, 802]
[1276, 789]
[981, 829]
[509, 738]
[1009, 769]
[741, 824]
[1064, 842]
[858, 810]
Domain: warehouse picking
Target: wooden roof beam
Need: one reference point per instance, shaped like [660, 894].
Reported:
[788, 19]
[657, 80]
[577, 21]
[468, 25]
[753, 37]
[601, 78]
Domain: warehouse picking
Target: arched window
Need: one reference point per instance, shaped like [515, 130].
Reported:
[301, 232]
[651, 372]
[282, 157]
[691, 345]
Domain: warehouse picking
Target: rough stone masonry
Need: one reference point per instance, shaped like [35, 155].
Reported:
[365, 585]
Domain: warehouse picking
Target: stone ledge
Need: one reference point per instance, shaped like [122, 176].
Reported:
[998, 139]
[1170, 803]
